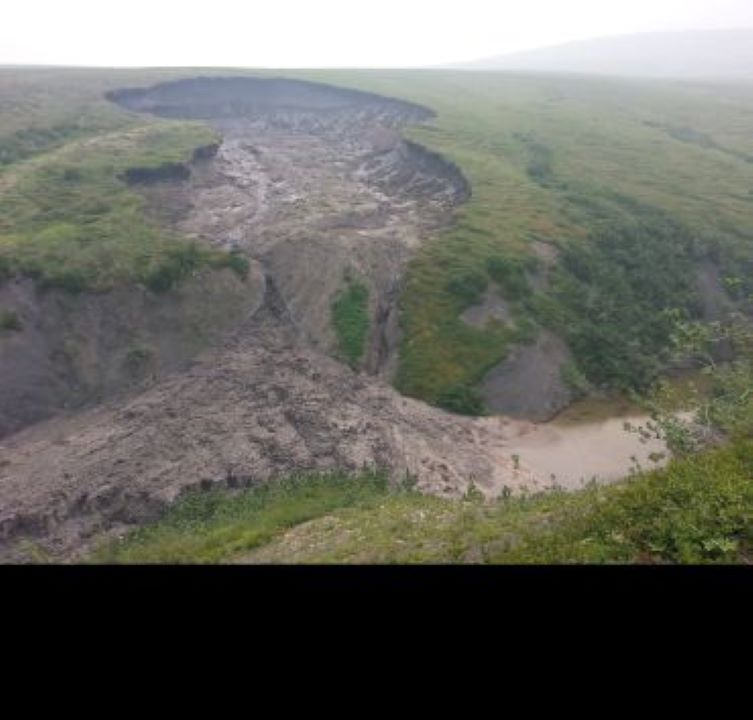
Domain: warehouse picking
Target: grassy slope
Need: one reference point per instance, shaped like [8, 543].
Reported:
[67, 216]
[698, 510]
[558, 159]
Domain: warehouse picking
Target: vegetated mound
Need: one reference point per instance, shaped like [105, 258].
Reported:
[102, 298]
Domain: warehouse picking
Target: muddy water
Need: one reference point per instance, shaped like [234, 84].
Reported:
[589, 440]
[570, 451]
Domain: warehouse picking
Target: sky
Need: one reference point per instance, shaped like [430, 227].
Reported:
[328, 33]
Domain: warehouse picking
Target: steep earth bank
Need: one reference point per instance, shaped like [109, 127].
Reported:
[73, 349]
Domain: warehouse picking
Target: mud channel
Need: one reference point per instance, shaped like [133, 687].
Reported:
[314, 184]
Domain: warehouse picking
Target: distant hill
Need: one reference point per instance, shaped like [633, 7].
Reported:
[692, 54]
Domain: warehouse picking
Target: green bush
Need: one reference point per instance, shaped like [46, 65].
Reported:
[212, 526]
[575, 380]
[237, 262]
[510, 274]
[469, 287]
[137, 360]
[611, 298]
[461, 399]
[179, 262]
[9, 321]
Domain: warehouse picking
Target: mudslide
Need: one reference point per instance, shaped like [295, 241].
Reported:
[314, 184]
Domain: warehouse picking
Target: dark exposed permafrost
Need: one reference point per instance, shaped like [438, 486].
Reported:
[215, 98]
[291, 105]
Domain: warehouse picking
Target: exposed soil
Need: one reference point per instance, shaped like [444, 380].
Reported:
[528, 384]
[313, 182]
[74, 349]
[262, 405]
[311, 187]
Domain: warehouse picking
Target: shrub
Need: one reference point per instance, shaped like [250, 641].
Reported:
[9, 321]
[610, 299]
[575, 379]
[237, 262]
[461, 399]
[510, 274]
[137, 359]
[468, 287]
[179, 261]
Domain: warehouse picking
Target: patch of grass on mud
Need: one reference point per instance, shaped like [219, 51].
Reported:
[216, 526]
[350, 317]
[697, 510]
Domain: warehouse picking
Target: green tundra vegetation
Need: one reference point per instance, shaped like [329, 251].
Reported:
[697, 510]
[632, 183]
[350, 318]
[592, 170]
[69, 217]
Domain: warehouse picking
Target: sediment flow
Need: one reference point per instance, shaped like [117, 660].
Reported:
[316, 184]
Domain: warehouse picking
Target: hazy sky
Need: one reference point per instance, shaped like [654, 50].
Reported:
[327, 33]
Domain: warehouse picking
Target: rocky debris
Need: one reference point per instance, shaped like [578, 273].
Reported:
[262, 405]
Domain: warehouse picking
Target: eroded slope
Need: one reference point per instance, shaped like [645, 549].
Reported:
[262, 405]
[314, 182]
[313, 191]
